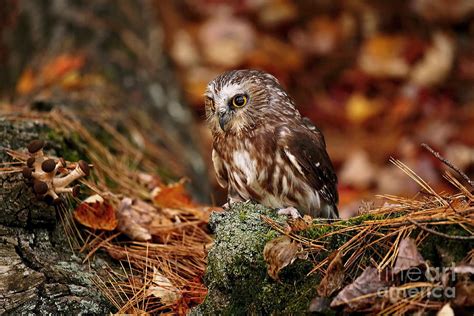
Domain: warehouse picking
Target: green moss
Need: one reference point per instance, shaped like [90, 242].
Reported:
[237, 276]
[68, 147]
[442, 251]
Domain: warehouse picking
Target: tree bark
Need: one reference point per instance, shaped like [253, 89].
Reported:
[39, 273]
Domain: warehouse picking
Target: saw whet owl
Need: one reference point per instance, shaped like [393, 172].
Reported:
[264, 150]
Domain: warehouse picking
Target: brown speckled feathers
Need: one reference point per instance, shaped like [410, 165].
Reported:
[264, 150]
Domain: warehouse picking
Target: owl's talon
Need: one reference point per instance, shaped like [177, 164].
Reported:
[290, 211]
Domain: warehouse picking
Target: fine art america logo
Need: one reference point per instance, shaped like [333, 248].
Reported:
[431, 282]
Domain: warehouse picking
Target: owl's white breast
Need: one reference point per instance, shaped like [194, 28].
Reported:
[246, 165]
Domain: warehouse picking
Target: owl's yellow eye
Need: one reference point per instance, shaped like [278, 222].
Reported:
[239, 100]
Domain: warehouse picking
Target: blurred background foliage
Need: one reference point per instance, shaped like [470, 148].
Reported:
[378, 77]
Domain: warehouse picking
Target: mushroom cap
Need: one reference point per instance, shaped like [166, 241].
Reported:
[35, 146]
[48, 165]
[84, 167]
[30, 161]
[27, 172]
[40, 187]
[75, 190]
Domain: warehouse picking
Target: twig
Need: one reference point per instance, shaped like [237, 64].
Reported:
[432, 231]
[448, 163]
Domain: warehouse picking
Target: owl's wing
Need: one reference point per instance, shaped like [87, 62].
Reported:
[306, 151]
[221, 172]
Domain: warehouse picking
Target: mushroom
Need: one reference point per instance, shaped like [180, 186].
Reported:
[81, 170]
[74, 190]
[43, 171]
[35, 149]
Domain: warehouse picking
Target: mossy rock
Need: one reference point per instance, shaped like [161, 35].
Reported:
[237, 277]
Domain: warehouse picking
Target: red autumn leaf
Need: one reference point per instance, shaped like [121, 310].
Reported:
[60, 66]
[172, 196]
[96, 213]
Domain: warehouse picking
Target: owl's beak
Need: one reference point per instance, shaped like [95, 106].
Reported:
[224, 118]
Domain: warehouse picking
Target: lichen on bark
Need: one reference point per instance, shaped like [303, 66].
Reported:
[39, 273]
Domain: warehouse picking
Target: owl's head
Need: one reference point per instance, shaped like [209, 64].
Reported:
[236, 101]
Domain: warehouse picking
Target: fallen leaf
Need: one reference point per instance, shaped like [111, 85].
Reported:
[464, 294]
[319, 304]
[351, 174]
[275, 13]
[359, 108]
[226, 40]
[128, 224]
[446, 310]
[354, 294]
[334, 276]
[443, 11]
[408, 256]
[163, 288]
[436, 64]
[172, 196]
[298, 224]
[61, 66]
[280, 252]
[97, 213]
[26, 83]
[150, 180]
[382, 56]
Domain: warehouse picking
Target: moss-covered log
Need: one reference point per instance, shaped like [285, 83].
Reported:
[237, 277]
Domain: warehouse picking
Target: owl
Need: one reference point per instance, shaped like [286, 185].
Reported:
[264, 150]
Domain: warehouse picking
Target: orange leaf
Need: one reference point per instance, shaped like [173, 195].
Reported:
[96, 213]
[26, 83]
[172, 196]
[61, 66]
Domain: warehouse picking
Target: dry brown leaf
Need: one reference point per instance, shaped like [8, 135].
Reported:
[280, 252]
[351, 174]
[408, 256]
[319, 305]
[464, 294]
[297, 224]
[97, 213]
[382, 56]
[172, 196]
[163, 288]
[436, 64]
[226, 40]
[334, 276]
[368, 282]
[130, 221]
